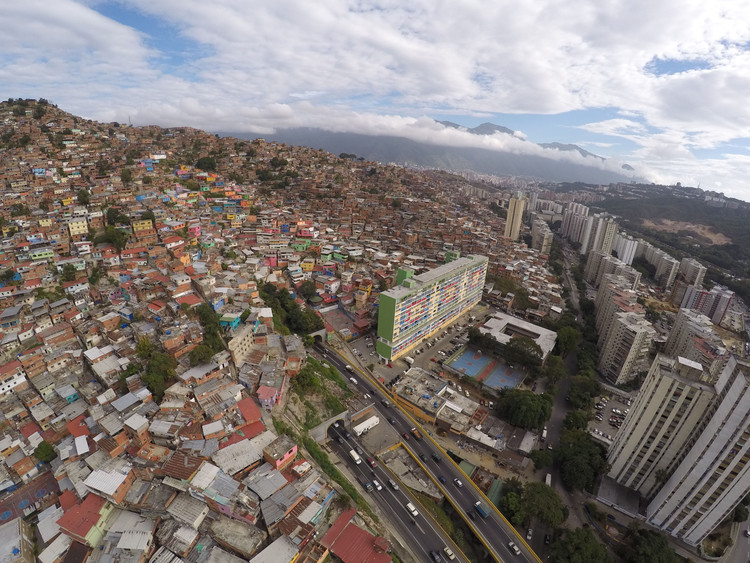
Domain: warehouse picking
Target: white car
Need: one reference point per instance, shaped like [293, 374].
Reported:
[514, 548]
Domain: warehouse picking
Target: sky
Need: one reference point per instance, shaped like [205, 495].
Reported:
[660, 85]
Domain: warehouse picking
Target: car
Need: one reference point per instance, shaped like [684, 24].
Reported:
[371, 462]
[472, 514]
[547, 539]
[359, 450]
[392, 421]
[423, 458]
[393, 484]
[405, 436]
[481, 402]
[339, 439]
[458, 483]
[435, 457]
[492, 405]
[747, 533]
[460, 389]
[435, 556]
[348, 435]
[529, 534]
[442, 479]
[514, 548]
[377, 485]
[335, 424]
[449, 553]
[390, 365]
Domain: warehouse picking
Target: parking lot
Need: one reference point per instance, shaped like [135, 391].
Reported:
[610, 413]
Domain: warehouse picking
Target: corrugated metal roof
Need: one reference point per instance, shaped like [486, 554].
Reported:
[105, 482]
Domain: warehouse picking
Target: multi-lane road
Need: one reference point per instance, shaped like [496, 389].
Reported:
[425, 538]
[494, 531]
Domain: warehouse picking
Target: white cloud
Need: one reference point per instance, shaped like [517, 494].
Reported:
[383, 65]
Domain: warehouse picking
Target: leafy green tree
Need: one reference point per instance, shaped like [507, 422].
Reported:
[581, 459]
[524, 408]
[144, 348]
[68, 273]
[578, 545]
[541, 458]
[207, 163]
[307, 289]
[148, 215]
[7, 275]
[582, 391]
[647, 546]
[555, 369]
[126, 175]
[740, 513]
[277, 162]
[201, 354]
[511, 505]
[543, 503]
[45, 452]
[577, 420]
[524, 351]
[567, 338]
[83, 197]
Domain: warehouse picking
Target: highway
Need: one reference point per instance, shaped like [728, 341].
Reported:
[494, 531]
[421, 533]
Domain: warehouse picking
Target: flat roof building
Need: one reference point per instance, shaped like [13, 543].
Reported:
[424, 304]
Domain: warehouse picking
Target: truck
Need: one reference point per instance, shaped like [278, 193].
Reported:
[355, 457]
[544, 434]
[409, 360]
[548, 479]
[479, 505]
[416, 433]
[368, 424]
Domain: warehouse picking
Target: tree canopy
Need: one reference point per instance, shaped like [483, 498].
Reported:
[524, 408]
[582, 391]
[647, 546]
[201, 354]
[581, 459]
[521, 502]
[45, 452]
[578, 545]
[567, 338]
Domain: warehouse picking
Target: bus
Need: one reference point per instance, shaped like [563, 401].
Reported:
[548, 479]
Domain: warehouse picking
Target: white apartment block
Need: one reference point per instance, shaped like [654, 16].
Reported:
[672, 402]
[693, 337]
[693, 271]
[713, 474]
[625, 347]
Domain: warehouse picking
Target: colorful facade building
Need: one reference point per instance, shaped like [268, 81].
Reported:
[419, 306]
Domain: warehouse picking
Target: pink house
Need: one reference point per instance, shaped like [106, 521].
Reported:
[268, 396]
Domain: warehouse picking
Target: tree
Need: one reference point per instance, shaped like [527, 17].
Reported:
[307, 289]
[45, 452]
[512, 508]
[740, 513]
[578, 546]
[582, 391]
[524, 408]
[201, 354]
[581, 459]
[542, 502]
[144, 348]
[83, 197]
[555, 369]
[68, 273]
[524, 351]
[648, 546]
[541, 458]
[207, 163]
[567, 338]
[126, 175]
[577, 420]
